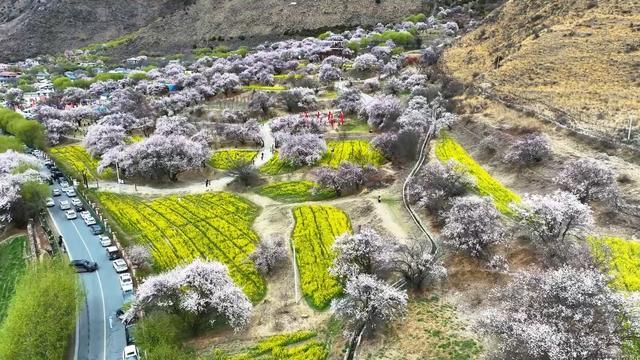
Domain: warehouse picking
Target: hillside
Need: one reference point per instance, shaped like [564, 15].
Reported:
[31, 27]
[580, 58]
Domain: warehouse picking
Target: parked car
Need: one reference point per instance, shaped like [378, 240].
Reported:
[84, 265]
[76, 202]
[70, 192]
[64, 184]
[96, 229]
[120, 265]
[79, 208]
[126, 283]
[64, 205]
[70, 214]
[129, 332]
[130, 352]
[56, 192]
[105, 240]
[113, 252]
[49, 202]
[89, 220]
[85, 214]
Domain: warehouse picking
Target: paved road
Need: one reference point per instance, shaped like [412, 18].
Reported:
[99, 333]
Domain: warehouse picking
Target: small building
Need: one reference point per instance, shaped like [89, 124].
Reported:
[136, 61]
[70, 75]
[8, 77]
[42, 76]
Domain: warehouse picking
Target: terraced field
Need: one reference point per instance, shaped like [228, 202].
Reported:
[177, 229]
[275, 166]
[300, 345]
[296, 191]
[356, 151]
[74, 160]
[226, 159]
[449, 149]
[12, 265]
[316, 228]
[623, 259]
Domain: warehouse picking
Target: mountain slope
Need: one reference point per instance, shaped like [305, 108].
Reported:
[581, 57]
[168, 26]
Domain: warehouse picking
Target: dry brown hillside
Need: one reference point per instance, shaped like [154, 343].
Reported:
[581, 57]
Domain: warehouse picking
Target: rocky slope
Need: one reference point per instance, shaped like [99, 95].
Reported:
[29, 27]
[580, 58]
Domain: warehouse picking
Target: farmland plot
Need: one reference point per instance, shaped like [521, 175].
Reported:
[300, 345]
[226, 159]
[447, 149]
[296, 191]
[316, 228]
[623, 258]
[276, 166]
[214, 226]
[356, 151]
[75, 160]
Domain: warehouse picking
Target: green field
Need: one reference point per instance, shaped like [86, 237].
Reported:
[355, 151]
[12, 265]
[316, 228]
[300, 345]
[74, 160]
[264, 87]
[226, 159]
[623, 259]
[296, 191]
[178, 229]
[275, 166]
[449, 149]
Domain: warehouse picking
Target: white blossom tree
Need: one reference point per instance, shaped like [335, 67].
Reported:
[270, 254]
[589, 179]
[365, 63]
[472, 225]
[382, 112]
[261, 102]
[174, 125]
[349, 101]
[418, 265]
[368, 303]
[436, 184]
[123, 120]
[161, 156]
[302, 149]
[365, 252]
[329, 74]
[203, 289]
[100, 138]
[566, 313]
[74, 95]
[528, 150]
[299, 99]
[13, 97]
[139, 256]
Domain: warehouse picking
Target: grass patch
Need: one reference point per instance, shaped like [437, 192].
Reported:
[355, 151]
[354, 126]
[264, 87]
[226, 159]
[623, 259]
[74, 160]
[431, 331]
[178, 229]
[316, 228]
[12, 265]
[447, 149]
[276, 166]
[296, 191]
[8, 142]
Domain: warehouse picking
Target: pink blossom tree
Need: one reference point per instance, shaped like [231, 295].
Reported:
[437, 184]
[174, 125]
[270, 254]
[528, 150]
[588, 179]
[100, 138]
[382, 112]
[365, 252]
[302, 149]
[418, 265]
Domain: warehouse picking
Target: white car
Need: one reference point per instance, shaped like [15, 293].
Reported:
[56, 192]
[130, 352]
[89, 220]
[126, 283]
[49, 202]
[64, 185]
[76, 202]
[105, 241]
[71, 214]
[64, 205]
[85, 214]
[70, 192]
[120, 265]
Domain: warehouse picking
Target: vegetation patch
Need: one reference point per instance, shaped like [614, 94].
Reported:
[623, 259]
[8, 142]
[178, 229]
[264, 87]
[302, 345]
[431, 331]
[226, 159]
[296, 191]
[355, 151]
[316, 228]
[276, 166]
[12, 264]
[75, 160]
[449, 149]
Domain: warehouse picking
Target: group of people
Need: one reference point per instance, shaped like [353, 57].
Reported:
[330, 118]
